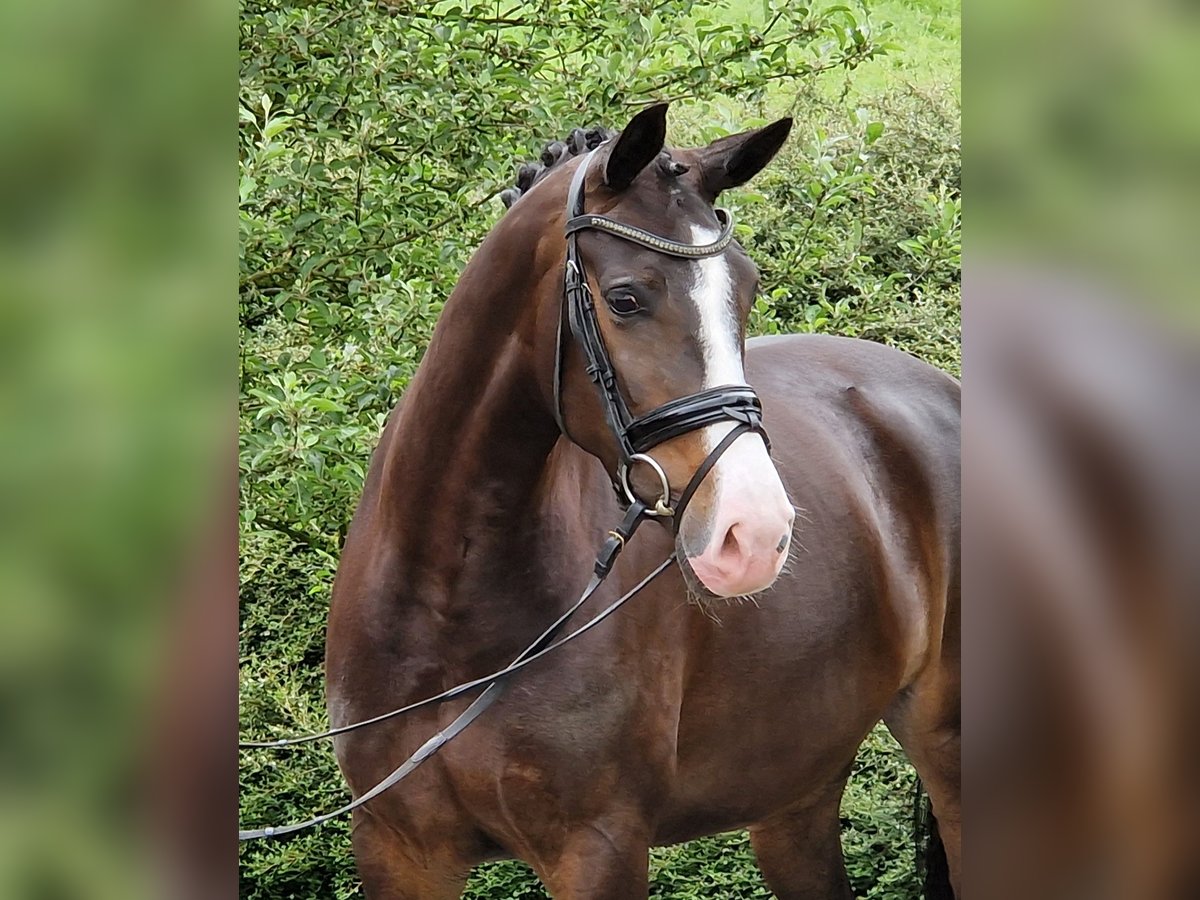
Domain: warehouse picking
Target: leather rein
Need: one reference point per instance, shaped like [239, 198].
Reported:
[635, 436]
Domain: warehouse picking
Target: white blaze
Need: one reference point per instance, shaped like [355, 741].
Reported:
[745, 481]
[712, 293]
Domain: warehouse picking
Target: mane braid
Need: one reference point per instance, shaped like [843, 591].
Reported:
[578, 141]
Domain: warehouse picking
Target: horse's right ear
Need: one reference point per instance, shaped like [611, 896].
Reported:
[636, 147]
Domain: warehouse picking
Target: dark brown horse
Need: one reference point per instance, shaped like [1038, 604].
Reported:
[683, 715]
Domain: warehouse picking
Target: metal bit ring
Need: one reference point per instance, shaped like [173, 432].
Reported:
[660, 507]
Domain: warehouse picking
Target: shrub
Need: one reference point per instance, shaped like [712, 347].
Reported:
[857, 227]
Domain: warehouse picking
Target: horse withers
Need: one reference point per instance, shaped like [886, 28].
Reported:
[684, 714]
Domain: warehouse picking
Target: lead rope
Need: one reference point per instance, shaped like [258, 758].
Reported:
[496, 683]
[609, 551]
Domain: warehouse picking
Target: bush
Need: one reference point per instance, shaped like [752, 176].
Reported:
[857, 226]
[373, 142]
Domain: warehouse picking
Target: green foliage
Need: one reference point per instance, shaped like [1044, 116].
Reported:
[877, 821]
[373, 140]
[856, 228]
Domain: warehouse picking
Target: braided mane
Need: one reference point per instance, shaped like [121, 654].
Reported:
[553, 154]
[577, 142]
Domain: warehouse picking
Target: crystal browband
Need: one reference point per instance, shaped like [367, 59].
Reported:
[653, 241]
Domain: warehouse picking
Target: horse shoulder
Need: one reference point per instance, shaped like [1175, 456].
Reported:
[881, 430]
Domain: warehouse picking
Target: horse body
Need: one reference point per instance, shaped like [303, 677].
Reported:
[673, 719]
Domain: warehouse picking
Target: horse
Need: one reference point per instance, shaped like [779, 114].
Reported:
[816, 584]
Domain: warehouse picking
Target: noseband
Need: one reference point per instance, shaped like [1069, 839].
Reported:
[637, 435]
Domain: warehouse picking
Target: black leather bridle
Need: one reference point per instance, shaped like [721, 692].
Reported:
[637, 435]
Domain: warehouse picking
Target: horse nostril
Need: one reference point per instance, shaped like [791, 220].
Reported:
[782, 545]
[729, 547]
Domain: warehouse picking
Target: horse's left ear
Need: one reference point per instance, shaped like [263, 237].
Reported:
[734, 160]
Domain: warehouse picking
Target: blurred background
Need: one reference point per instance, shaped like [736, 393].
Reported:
[120, 362]
[1081, 450]
[117, 375]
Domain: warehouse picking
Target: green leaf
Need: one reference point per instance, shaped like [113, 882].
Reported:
[246, 186]
[277, 126]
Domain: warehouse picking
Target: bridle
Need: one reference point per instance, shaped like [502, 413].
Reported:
[635, 436]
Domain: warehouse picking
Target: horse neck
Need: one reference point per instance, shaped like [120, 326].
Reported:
[464, 470]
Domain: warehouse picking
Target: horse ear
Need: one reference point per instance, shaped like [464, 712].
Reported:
[734, 160]
[636, 147]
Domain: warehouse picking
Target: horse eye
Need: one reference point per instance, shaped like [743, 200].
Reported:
[623, 304]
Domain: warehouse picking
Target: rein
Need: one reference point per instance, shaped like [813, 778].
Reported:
[496, 684]
[635, 437]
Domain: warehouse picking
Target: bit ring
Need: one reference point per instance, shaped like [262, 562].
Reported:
[660, 507]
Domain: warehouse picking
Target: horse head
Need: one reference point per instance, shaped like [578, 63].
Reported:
[673, 326]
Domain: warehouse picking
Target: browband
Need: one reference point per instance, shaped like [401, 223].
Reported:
[647, 239]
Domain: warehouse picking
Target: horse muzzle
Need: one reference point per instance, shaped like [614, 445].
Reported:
[737, 542]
